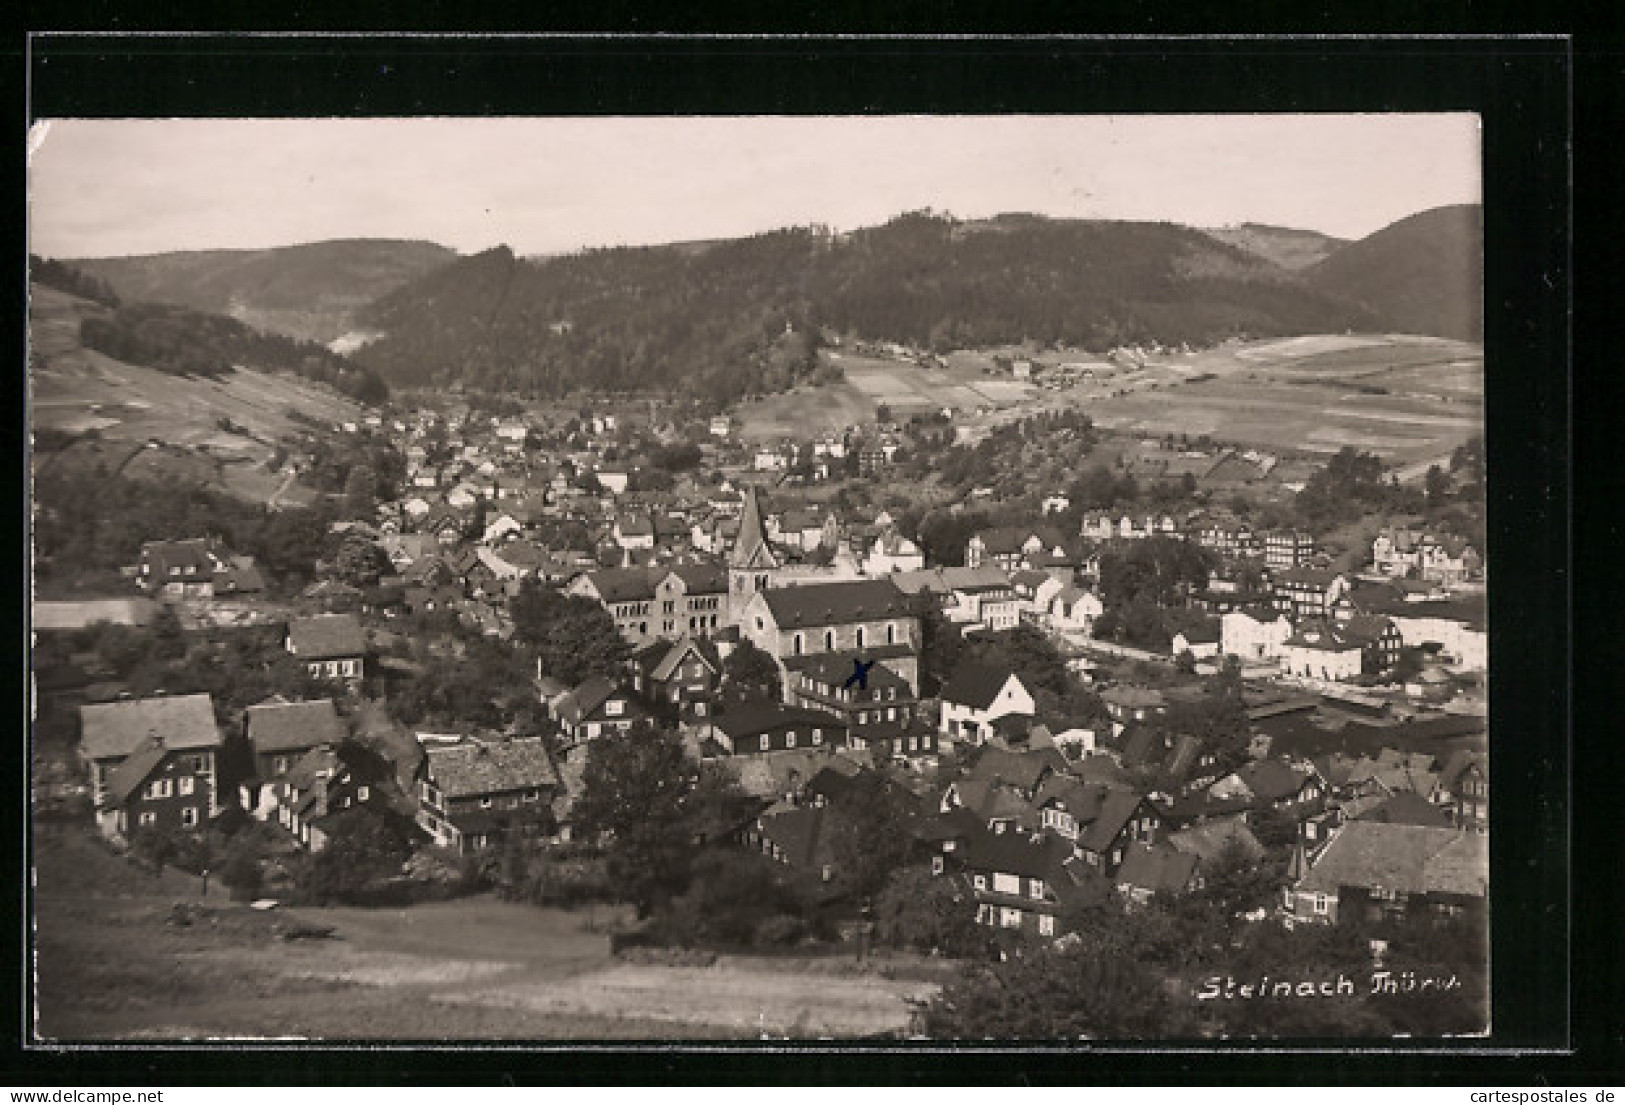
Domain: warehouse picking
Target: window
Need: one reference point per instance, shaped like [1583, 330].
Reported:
[796, 644]
[829, 640]
[200, 763]
[1010, 918]
[185, 784]
[280, 764]
[1007, 884]
[159, 788]
[149, 818]
[980, 882]
[614, 707]
[790, 739]
[937, 865]
[862, 636]
[1046, 925]
[1322, 905]
[362, 793]
[1035, 888]
[189, 817]
[764, 742]
[818, 736]
[891, 634]
[891, 713]
[485, 802]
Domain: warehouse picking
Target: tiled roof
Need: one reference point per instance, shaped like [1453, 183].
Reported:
[1019, 769]
[127, 778]
[480, 767]
[1207, 840]
[941, 581]
[116, 729]
[326, 637]
[834, 668]
[1116, 810]
[288, 726]
[585, 699]
[1411, 859]
[820, 604]
[754, 716]
[1030, 855]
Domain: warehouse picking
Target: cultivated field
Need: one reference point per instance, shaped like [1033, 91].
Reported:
[75, 390]
[870, 381]
[113, 965]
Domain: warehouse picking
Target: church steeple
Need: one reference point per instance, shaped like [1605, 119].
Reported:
[751, 550]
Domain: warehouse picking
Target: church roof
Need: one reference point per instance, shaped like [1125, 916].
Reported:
[751, 549]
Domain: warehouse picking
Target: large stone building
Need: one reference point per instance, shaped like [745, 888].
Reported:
[868, 619]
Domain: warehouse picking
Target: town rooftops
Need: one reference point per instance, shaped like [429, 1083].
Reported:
[834, 668]
[326, 637]
[1411, 859]
[490, 767]
[1160, 870]
[820, 604]
[290, 726]
[1133, 698]
[117, 729]
[943, 581]
[1117, 808]
[752, 716]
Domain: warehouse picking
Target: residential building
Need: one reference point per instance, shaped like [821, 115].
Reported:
[331, 646]
[1309, 592]
[152, 762]
[682, 675]
[471, 795]
[975, 696]
[756, 725]
[1372, 870]
[1254, 634]
[596, 707]
[875, 704]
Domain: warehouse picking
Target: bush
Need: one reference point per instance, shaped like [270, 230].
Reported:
[779, 930]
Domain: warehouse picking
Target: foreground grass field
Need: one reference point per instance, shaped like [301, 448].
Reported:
[112, 963]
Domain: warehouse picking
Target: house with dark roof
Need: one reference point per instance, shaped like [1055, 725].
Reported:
[1309, 592]
[656, 602]
[326, 782]
[877, 705]
[196, 568]
[596, 707]
[1127, 704]
[1152, 870]
[1464, 789]
[869, 618]
[279, 733]
[681, 675]
[754, 726]
[975, 696]
[1373, 870]
[331, 646]
[1125, 818]
[1027, 881]
[153, 762]
[471, 795]
[1274, 785]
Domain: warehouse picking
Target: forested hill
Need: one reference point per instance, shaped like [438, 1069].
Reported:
[1421, 275]
[310, 292]
[1285, 246]
[713, 318]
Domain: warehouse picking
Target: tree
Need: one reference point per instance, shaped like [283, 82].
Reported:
[573, 637]
[359, 562]
[883, 414]
[1436, 486]
[932, 913]
[361, 492]
[364, 844]
[730, 897]
[156, 845]
[637, 790]
[241, 872]
[751, 670]
[870, 833]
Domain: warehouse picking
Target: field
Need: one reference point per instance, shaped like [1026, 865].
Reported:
[74, 390]
[1411, 400]
[112, 965]
[870, 381]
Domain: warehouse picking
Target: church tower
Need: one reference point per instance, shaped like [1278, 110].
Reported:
[751, 562]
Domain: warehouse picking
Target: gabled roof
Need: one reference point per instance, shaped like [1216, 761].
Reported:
[1408, 808]
[835, 668]
[117, 729]
[1018, 769]
[1207, 840]
[291, 726]
[976, 685]
[754, 716]
[127, 778]
[1160, 870]
[675, 653]
[326, 637]
[821, 604]
[490, 767]
[585, 700]
[1030, 855]
[1411, 859]
[1079, 798]
[1272, 779]
[701, 578]
[1116, 810]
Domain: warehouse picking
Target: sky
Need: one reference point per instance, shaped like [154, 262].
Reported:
[100, 188]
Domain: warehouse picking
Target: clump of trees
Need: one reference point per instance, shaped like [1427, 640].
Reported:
[571, 636]
[65, 277]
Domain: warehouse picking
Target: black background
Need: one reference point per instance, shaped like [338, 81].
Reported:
[1524, 90]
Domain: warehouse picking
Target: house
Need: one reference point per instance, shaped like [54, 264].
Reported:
[870, 618]
[682, 675]
[1201, 641]
[1027, 881]
[796, 835]
[1373, 870]
[877, 705]
[1072, 609]
[195, 568]
[613, 480]
[1254, 634]
[331, 646]
[1309, 592]
[1011, 548]
[594, 708]
[1464, 789]
[471, 795]
[325, 782]
[1127, 704]
[1273, 785]
[1288, 549]
[892, 552]
[975, 695]
[1150, 870]
[152, 762]
[1378, 637]
[279, 734]
[1323, 650]
[1125, 817]
[757, 725]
